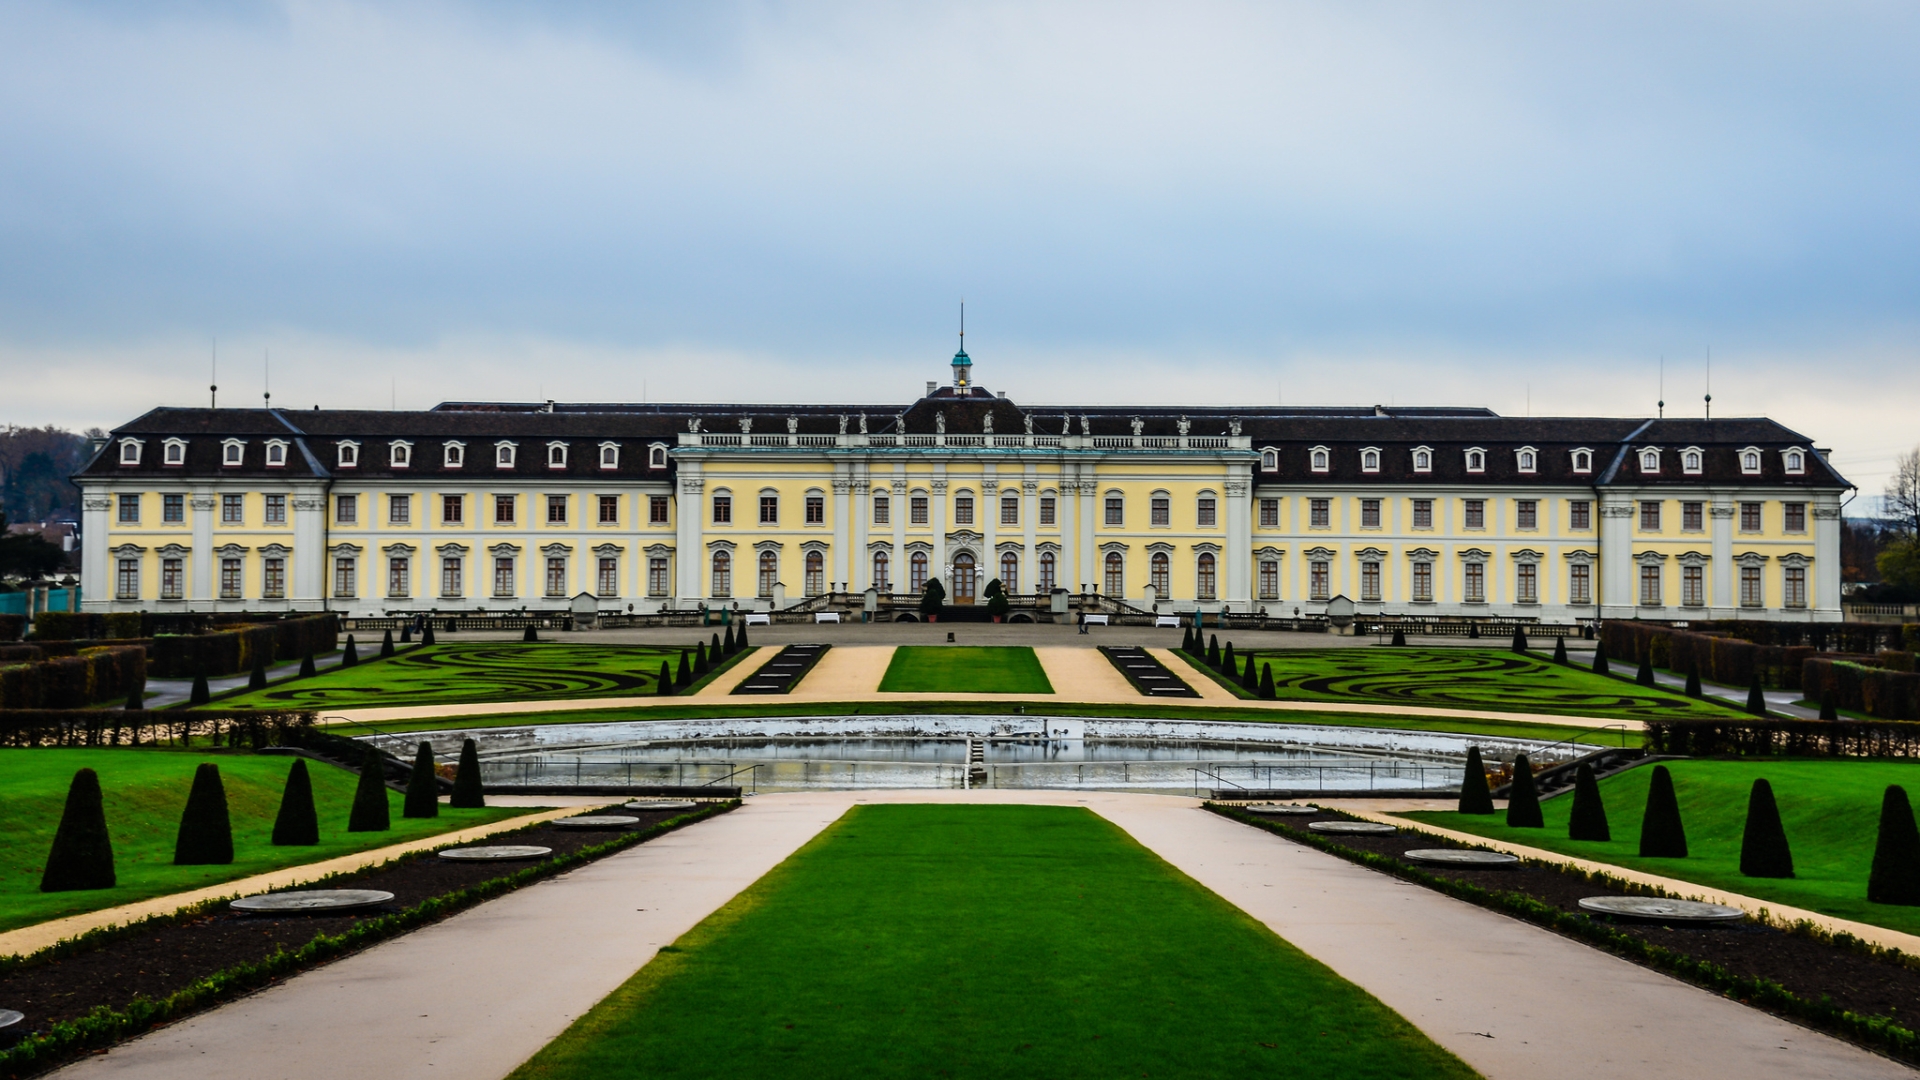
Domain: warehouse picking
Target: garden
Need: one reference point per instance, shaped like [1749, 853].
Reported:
[963, 669]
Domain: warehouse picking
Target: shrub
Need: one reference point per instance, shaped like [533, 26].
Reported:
[1266, 682]
[386, 645]
[1523, 799]
[257, 679]
[298, 823]
[467, 792]
[12, 627]
[1559, 650]
[1895, 877]
[423, 787]
[307, 670]
[206, 831]
[1828, 710]
[1186, 638]
[531, 634]
[370, 812]
[1645, 675]
[406, 633]
[931, 599]
[1763, 845]
[1693, 681]
[82, 853]
[1588, 820]
[121, 625]
[1399, 637]
[1473, 630]
[998, 604]
[62, 626]
[1600, 658]
[713, 650]
[700, 664]
[199, 694]
[426, 633]
[137, 698]
[1661, 834]
[1250, 681]
[728, 643]
[685, 675]
[742, 639]
[1756, 701]
[349, 656]
[664, 684]
[1213, 652]
[1519, 640]
[1474, 796]
[1228, 665]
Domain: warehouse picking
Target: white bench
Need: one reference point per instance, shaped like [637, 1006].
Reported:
[1166, 620]
[1095, 620]
[826, 616]
[757, 618]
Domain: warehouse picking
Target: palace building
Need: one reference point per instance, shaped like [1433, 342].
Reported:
[1406, 511]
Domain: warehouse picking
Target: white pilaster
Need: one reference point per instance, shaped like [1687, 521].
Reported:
[96, 566]
[309, 569]
[690, 507]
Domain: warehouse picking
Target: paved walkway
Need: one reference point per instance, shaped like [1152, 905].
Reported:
[474, 996]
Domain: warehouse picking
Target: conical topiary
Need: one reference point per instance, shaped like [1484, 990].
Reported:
[1228, 664]
[1266, 681]
[349, 656]
[729, 642]
[742, 639]
[1600, 658]
[1644, 676]
[1473, 630]
[257, 678]
[685, 675]
[1661, 834]
[1895, 877]
[1474, 796]
[714, 654]
[137, 697]
[423, 786]
[386, 645]
[531, 634]
[426, 633]
[1588, 821]
[1559, 650]
[406, 633]
[467, 792]
[451, 626]
[663, 684]
[82, 852]
[1213, 652]
[297, 824]
[1399, 637]
[700, 665]
[1523, 799]
[1763, 846]
[1756, 700]
[1250, 680]
[1693, 680]
[1519, 640]
[1186, 638]
[1828, 709]
[307, 670]
[370, 812]
[206, 831]
[199, 695]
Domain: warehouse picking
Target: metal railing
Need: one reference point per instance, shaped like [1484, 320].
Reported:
[1400, 776]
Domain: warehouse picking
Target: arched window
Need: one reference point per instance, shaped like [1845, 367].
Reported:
[1046, 584]
[609, 455]
[1795, 462]
[917, 572]
[769, 572]
[277, 454]
[349, 455]
[1116, 575]
[456, 455]
[1690, 462]
[1320, 460]
[816, 573]
[722, 574]
[657, 457]
[556, 455]
[1269, 460]
[1158, 573]
[233, 453]
[1582, 461]
[1206, 575]
[1650, 461]
[880, 580]
[964, 585]
[1370, 461]
[1526, 461]
[1476, 461]
[503, 455]
[1422, 461]
[1010, 572]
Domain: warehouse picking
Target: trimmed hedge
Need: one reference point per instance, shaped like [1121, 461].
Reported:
[74, 682]
[254, 728]
[229, 650]
[1877, 691]
[12, 627]
[1784, 738]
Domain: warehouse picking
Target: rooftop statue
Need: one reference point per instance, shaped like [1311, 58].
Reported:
[693, 425]
[1138, 425]
[986, 426]
[863, 423]
[1185, 426]
[1027, 419]
[746, 425]
[793, 424]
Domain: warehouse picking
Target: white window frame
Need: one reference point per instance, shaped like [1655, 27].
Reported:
[1582, 460]
[233, 453]
[1793, 460]
[276, 453]
[657, 455]
[1476, 459]
[609, 455]
[1423, 459]
[1369, 459]
[1751, 460]
[1526, 460]
[135, 445]
[347, 454]
[399, 454]
[505, 453]
[1319, 459]
[1269, 460]
[560, 448]
[1647, 454]
[173, 452]
[1693, 461]
[453, 455]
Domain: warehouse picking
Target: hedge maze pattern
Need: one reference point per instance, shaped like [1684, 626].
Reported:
[461, 673]
[1469, 679]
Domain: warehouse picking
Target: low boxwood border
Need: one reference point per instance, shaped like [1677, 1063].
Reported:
[1877, 1033]
[105, 1026]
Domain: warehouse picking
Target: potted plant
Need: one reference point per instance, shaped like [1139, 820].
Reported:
[932, 598]
[997, 603]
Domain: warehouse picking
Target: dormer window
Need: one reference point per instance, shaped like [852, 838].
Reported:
[173, 452]
[1269, 460]
[455, 455]
[232, 452]
[399, 454]
[349, 455]
[130, 451]
[1750, 461]
[1318, 459]
[1370, 460]
[1650, 460]
[1796, 462]
[276, 454]
[657, 456]
[556, 455]
[609, 455]
[503, 455]
[1583, 461]
[1476, 460]
[1526, 460]
[1422, 459]
[1692, 461]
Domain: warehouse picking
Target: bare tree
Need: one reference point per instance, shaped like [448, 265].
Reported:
[1900, 504]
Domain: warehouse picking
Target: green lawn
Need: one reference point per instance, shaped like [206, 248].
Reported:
[145, 790]
[965, 669]
[1831, 810]
[473, 672]
[984, 941]
[1455, 678]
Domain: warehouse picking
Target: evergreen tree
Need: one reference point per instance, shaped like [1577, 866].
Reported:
[1661, 834]
[1828, 709]
[467, 792]
[714, 655]
[1588, 820]
[1250, 682]
[700, 666]
[741, 641]
[663, 685]
[1266, 682]
[137, 697]
[1600, 658]
[1229, 666]
[1213, 652]
[386, 645]
[1473, 630]
[199, 694]
[350, 655]
[730, 645]
[1756, 700]
[307, 670]
[1693, 681]
[1519, 639]
[1560, 650]
[1523, 799]
[370, 812]
[406, 633]
[1645, 675]
[206, 831]
[1474, 796]
[297, 824]
[530, 634]
[423, 787]
[1895, 877]
[1399, 637]
[1763, 846]
[933, 597]
[426, 633]
[82, 852]
[257, 678]
[685, 675]
[1186, 638]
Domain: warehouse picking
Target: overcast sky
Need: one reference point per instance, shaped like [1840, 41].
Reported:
[1519, 205]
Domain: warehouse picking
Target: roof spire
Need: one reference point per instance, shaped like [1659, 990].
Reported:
[962, 363]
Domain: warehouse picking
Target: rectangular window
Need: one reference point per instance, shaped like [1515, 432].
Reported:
[1269, 579]
[1009, 510]
[1476, 583]
[452, 509]
[129, 509]
[1580, 514]
[556, 576]
[656, 577]
[450, 584]
[1749, 517]
[963, 509]
[232, 509]
[399, 509]
[656, 509]
[276, 509]
[1693, 586]
[1796, 582]
[126, 584]
[1580, 584]
[1650, 585]
[1049, 511]
[1750, 594]
[1423, 513]
[173, 508]
[346, 509]
[609, 509]
[171, 578]
[607, 581]
[1116, 510]
[882, 510]
[1423, 581]
[1369, 580]
[917, 511]
[273, 578]
[556, 509]
[1476, 513]
[769, 509]
[397, 584]
[1650, 516]
[1269, 513]
[816, 510]
[1318, 514]
[1796, 517]
[723, 510]
[503, 509]
[1526, 513]
[1369, 513]
[1160, 512]
[1691, 518]
[1317, 580]
[1526, 583]
[503, 576]
[230, 579]
[1205, 513]
[343, 578]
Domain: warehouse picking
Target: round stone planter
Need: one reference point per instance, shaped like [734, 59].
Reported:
[1658, 910]
[1462, 858]
[311, 901]
[1352, 828]
[496, 853]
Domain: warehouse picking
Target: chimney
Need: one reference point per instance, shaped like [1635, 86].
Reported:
[1003, 395]
[931, 387]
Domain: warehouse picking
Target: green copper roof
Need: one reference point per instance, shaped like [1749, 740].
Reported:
[960, 359]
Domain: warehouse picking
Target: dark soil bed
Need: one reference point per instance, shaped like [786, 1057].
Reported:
[157, 962]
[1851, 977]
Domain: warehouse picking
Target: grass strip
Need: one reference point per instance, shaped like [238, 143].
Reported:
[106, 1026]
[1199, 663]
[1881, 1034]
[965, 669]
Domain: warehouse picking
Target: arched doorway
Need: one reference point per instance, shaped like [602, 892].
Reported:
[964, 573]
